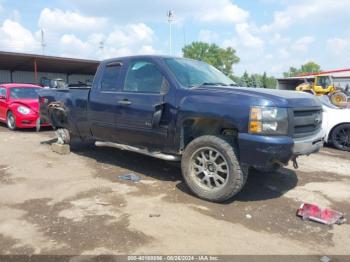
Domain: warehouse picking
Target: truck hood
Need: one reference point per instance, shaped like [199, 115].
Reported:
[33, 104]
[280, 98]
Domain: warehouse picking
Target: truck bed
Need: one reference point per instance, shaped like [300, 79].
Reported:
[56, 103]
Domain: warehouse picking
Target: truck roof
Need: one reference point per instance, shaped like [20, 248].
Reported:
[141, 57]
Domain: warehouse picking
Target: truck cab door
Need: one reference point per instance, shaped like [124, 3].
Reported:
[142, 117]
[103, 106]
[3, 103]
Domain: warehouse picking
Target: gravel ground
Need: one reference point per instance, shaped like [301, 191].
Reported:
[75, 204]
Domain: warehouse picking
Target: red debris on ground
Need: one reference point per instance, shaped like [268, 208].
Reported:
[322, 215]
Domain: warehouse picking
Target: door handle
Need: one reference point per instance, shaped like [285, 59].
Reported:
[124, 102]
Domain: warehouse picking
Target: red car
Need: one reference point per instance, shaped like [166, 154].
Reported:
[19, 106]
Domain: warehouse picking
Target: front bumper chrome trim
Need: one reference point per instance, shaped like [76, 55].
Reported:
[310, 144]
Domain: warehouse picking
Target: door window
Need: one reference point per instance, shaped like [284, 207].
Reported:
[110, 78]
[144, 77]
[3, 92]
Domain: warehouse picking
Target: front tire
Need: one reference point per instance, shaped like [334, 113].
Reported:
[211, 169]
[340, 137]
[11, 121]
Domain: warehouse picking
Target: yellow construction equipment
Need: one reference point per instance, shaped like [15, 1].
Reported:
[324, 85]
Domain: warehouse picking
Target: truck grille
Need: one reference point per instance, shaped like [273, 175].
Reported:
[307, 121]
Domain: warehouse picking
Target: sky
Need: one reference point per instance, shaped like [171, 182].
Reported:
[268, 35]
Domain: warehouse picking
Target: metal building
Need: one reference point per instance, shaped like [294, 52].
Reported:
[30, 68]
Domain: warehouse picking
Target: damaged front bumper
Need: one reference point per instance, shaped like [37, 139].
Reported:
[310, 144]
[265, 151]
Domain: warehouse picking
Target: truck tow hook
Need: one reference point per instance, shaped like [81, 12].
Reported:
[295, 163]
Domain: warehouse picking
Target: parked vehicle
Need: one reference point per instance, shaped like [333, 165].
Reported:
[52, 83]
[181, 109]
[19, 106]
[336, 123]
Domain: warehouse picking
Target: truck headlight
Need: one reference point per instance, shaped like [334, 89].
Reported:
[268, 121]
[23, 110]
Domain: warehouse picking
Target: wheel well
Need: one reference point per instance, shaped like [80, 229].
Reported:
[58, 115]
[196, 127]
[334, 127]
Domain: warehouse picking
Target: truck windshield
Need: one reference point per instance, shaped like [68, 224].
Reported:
[24, 93]
[192, 73]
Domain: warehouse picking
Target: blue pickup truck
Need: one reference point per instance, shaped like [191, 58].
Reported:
[184, 110]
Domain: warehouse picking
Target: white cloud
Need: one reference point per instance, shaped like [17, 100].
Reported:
[247, 38]
[207, 36]
[278, 39]
[311, 11]
[130, 35]
[70, 42]
[339, 46]
[14, 37]
[147, 49]
[64, 37]
[128, 40]
[15, 15]
[302, 44]
[283, 53]
[155, 10]
[223, 11]
[231, 42]
[63, 21]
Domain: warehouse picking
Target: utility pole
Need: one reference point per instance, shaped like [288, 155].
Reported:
[102, 45]
[43, 44]
[171, 17]
[185, 37]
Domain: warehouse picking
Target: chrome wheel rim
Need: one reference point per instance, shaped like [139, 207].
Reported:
[11, 121]
[209, 168]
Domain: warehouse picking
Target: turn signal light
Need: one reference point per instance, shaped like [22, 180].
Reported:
[255, 127]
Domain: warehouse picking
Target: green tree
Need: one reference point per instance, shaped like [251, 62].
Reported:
[245, 79]
[221, 58]
[256, 80]
[309, 67]
[264, 80]
[271, 82]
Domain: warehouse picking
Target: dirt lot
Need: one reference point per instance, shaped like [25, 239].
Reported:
[75, 204]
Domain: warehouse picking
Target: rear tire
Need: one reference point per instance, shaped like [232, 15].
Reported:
[11, 121]
[340, 137]
[211, 169]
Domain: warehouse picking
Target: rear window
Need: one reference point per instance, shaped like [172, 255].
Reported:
[110, 78]
[24, 92]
